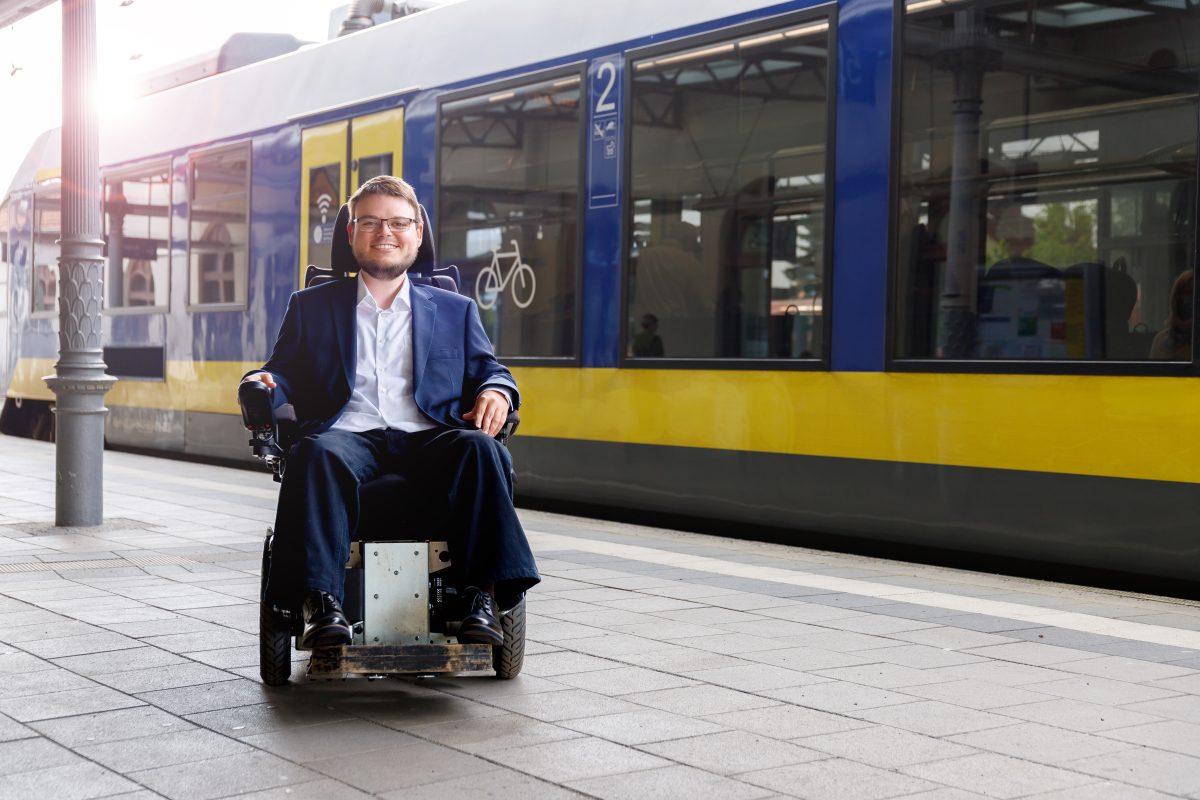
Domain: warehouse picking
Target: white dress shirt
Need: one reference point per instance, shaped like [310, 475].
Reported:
[382, 396]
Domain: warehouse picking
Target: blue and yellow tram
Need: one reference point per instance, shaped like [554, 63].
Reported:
[917, 272]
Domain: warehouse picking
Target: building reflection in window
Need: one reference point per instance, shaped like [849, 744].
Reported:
[137, 232]
[47, 230]
[1047, 181]
[218, 242]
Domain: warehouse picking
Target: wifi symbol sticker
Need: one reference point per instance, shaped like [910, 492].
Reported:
[324, 201]
[323, 231]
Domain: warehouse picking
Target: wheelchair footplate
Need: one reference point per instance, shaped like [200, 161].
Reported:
[400, 595]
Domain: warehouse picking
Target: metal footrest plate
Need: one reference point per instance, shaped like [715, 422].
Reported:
[388, 659]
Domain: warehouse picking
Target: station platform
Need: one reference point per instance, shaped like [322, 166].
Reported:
[660, 664]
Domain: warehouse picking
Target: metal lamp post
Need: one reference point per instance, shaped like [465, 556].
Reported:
[79, 382]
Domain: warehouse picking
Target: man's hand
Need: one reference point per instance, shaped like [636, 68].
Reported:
[490, 412]
[261, 377]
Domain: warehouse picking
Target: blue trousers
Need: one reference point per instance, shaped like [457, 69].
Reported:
[463, 479]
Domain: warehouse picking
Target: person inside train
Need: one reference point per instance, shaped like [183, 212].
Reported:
[386, 375]
[1174, 342]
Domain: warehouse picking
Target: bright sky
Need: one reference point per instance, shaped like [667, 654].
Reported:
[131, 39]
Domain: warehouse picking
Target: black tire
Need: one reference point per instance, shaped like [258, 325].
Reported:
[274, 647]
[508, 658]
[274, 632]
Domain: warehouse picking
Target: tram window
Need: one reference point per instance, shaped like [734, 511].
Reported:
[727, 256]
[47, 230]
[1047, 181]
[508, 210]
[373, 166]
[137, 235]
[218, 223]
[6, 228]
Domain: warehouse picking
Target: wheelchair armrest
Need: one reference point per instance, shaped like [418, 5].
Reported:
[262, 419]
[509, 427]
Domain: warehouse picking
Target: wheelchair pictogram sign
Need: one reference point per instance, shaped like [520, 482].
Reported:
[492, 281]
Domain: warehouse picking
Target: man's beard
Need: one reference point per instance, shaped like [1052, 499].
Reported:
[388, 272]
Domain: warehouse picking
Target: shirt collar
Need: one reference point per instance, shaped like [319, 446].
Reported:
[365, 298]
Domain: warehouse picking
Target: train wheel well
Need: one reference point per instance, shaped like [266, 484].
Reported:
[29, 419]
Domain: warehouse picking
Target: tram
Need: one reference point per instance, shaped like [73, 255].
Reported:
[918, 273]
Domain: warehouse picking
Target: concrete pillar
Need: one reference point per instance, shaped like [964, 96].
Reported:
[79, 382]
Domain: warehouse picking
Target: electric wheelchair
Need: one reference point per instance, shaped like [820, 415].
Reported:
[400, 596]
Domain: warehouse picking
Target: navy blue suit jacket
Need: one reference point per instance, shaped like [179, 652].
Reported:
[314, 357]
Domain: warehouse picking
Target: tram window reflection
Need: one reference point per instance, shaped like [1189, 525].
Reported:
[47, 230]
[727, 256]
[137, 234]
[508, 210]
[218, 238]
[1047, 181]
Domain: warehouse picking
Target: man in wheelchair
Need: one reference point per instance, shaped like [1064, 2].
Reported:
[387, 376]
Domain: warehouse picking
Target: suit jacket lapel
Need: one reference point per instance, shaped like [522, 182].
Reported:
[424, 315]
[344, 301]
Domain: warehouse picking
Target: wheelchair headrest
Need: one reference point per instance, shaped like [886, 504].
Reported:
[343, 263]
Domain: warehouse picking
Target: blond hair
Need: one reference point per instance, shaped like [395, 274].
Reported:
[387, 185]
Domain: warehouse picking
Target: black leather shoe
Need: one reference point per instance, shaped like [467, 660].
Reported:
[482, 623]
[325, 622]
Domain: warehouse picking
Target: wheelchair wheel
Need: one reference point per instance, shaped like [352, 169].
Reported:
[274, 632]
[274, 647]
[508, 658]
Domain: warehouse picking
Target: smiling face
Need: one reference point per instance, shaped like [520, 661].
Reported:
[385, 254]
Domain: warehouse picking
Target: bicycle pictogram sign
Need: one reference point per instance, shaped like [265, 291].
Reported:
[492, 281]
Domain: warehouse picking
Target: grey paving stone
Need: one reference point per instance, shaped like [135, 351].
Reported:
[206, 696]
[204, 640]
[836, 779]
[78, 645]
[1079, 716]
[1002, 672]
[624, 680]
[323, 789]
[1176, 736]
[731, 752]
[328, 740]
[26, 755]
[985, 623]
[1040, 743]
[878, 624]
[808, 612]
[163, 677]
[164, 749]
[220, 777]
[564, 662]
[494, 783]
[978, 694]
[669, 783]
[41, 682]
[476, 688]
[1135, 671]
[1183, 707]
[1189, 683]
[640, 727]
[403, 767]
[952, 638]
[880, 675]
[1062, 637]
[617, 645]
[10, 729]
[755, 677]
[569, 704]
[1093, 689]
[933, 718]
[248, 720]
[42, 626]
[577, 759]
[1107, 790]
[1173, 773]
[846, 641]
[787, 721]
[110, 726]
[68, 703]
[699, 700]
[921, 656]
[1145, 651]
[997, 775]
[809, 659]
[740, 645]
[839, 696]
[885, 747]
[15, 662]
[412, 709]
[79, 781]
[483, 735]
[119, 660]
[232, 657]
[750, 601]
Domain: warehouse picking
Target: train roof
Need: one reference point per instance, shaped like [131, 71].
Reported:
[441, 46]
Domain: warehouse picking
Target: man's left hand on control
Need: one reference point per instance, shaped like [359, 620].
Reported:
[490, 412]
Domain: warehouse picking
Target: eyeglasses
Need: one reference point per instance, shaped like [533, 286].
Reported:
[372, 224]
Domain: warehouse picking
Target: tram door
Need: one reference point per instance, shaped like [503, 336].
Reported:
[336, 159]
